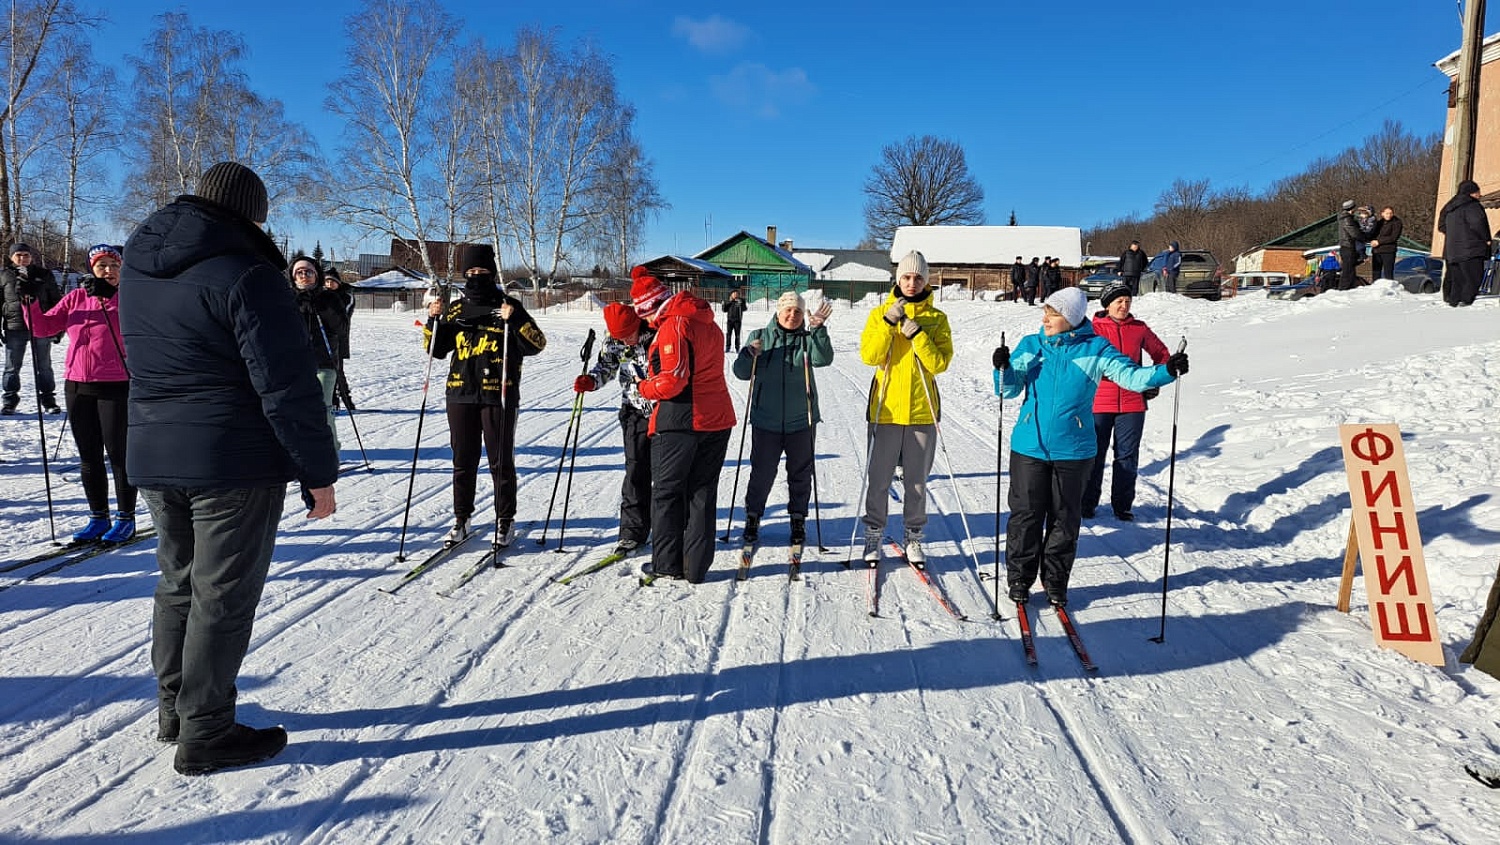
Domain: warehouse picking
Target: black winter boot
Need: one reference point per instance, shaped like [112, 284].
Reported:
[751, 535]
[241, 746]
[799, 530]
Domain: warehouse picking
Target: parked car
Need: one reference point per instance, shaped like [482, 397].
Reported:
[1198, 277]
[1297, 289]
[1093, 285]
[1255, 281]
[1420, 273]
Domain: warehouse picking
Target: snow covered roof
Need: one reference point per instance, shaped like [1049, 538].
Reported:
[992, 245]
[1489, 51]
[398, 278]
[848, 265]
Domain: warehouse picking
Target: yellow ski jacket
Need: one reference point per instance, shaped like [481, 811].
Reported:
[903, 389]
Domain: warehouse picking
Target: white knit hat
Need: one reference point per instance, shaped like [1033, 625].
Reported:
[790, 299]
[1072, 303]
[912, 262]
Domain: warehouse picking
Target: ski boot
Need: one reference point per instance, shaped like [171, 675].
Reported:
[97, 527]
[122, 531]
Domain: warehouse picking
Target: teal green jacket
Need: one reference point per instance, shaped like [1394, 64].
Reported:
[784, 384]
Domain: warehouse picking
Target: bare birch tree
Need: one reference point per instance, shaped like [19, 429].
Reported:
[86, 128]
[387, 99]
[194, 107]
[625, 196]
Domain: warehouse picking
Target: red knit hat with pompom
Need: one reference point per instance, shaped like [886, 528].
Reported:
[647, 292]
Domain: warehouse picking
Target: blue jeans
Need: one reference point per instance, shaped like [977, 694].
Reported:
[1126, 429]
[16, 342]
[214, 549]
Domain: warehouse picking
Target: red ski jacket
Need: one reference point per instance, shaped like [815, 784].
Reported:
[1131, 337]
[686, 370]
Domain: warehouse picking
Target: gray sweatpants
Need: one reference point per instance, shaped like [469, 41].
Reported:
[912, 447]
[214, 549]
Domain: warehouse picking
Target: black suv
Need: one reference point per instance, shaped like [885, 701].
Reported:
[1198, 277]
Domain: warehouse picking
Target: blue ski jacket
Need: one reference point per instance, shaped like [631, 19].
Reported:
[1059, 375]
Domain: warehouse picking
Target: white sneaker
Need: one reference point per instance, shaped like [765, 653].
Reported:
[459, 533]
[872, 547]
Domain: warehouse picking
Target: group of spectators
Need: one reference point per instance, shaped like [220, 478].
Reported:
[1044, 274]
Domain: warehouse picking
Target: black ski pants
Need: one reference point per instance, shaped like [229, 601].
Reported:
[635, 491]
[1348, 258]
[1045, 502]
[1461, 281]
[468, 424]
[732, 329]
[685, 468]
[96, 412]
[766, 449]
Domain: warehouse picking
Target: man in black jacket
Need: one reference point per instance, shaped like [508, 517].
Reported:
[225, 410]
[1133, 263]
[1349, 239]
[1017, 279]
[1466, 244]
[20, 283]
[734, 314]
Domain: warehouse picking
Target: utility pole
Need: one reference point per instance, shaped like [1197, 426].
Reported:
[1466, 96]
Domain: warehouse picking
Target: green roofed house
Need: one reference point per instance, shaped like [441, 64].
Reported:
[759, 266]
[678, 272]
[1288, 253]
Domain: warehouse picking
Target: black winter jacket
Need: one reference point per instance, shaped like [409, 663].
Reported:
[37, 282]
[477, 337]
[327, 325]
[734, 311]
[1349, 233]
[1133, 262]
[1465, 229]
[223, 392]
[1387, 232]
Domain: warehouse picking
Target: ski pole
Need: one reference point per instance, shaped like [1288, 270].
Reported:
[61, 431]
[999, 458]
[573, 419]
[417, 445]
[812, 427]
[1166, 557]
[864, 474]
[328, 347]
[937, 427]
[739, 461]
[41, 427]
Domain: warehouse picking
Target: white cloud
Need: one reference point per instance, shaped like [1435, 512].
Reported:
[757, 89]
[714, 34]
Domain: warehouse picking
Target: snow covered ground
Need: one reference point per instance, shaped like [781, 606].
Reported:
[520, 710]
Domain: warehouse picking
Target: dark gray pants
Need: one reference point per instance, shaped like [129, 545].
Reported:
[213, 549]
[913, 448]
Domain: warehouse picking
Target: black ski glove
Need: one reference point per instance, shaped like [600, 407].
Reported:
[1001, 358]
[1177, 365]
[1150, 393]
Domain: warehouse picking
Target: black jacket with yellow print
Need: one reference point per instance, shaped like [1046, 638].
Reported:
[483, 345]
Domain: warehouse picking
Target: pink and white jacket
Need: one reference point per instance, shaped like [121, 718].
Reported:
[96, 351]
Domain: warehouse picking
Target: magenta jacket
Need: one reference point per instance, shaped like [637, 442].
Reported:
[96, 352]
[1131, 337]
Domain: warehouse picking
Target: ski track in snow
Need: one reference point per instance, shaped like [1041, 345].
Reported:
[772, 711]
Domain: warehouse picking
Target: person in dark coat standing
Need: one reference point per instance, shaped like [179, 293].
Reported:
[333, 282]
[22, 283]
[1017, 279]
[690, 426]
[1171, 267]
[225, 410]
[783, 407]
[1132, 264]
[1120, 413]
[1033, 280]
[734, 313]
[1350, 238]
[488, 333]
[327, 326]
[1383, 240]
[1466, 244]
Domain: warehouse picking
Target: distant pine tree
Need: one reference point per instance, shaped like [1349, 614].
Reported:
[317, 253]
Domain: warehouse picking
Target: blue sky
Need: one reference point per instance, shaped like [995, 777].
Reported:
[1070, 114]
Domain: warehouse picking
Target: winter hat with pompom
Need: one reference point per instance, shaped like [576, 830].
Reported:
[647, 292]
[621, 321]
[1071, 303]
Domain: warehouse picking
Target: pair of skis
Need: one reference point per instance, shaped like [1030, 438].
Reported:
[1028, 641]
[68, 555]
[450, 549]
[607, 561]
[747, 557]
[872, 583]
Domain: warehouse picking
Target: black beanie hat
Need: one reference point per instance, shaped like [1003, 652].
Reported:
[477, 255]
[237, 188]
[15, 248]
[1113, 292]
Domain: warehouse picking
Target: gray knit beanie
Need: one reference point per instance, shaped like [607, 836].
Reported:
[237, 188]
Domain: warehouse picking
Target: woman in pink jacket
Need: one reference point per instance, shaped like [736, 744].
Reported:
[1120, 414]
[96, 387]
